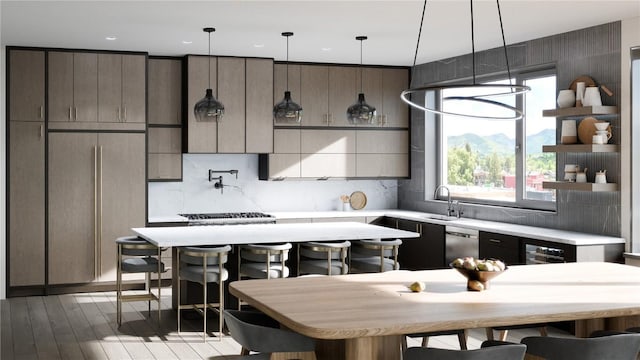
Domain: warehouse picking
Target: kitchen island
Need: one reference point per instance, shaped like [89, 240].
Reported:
[262, 234]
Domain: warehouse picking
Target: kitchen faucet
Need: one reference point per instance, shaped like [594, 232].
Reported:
[450, 209]
[218, 179]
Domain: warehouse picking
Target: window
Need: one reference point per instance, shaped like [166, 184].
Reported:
[500, 162]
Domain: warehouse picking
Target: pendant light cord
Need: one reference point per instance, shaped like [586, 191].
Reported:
[361, 65]
[415, 56]
[473, 46]
[287, 63]
[209, 60]
[504, 43]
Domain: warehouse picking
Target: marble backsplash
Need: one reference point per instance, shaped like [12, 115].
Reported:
[246, 193]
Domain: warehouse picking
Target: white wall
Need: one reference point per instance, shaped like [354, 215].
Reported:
[630, 170]
[196, 194]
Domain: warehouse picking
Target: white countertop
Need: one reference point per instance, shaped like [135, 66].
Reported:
[266, 233]
[533, 232]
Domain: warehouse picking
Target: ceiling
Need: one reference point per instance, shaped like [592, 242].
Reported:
[324, 30]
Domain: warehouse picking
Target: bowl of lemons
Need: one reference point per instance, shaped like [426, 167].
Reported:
[478, 271]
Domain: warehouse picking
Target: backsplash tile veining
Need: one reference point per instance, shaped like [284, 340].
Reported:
[196, 194]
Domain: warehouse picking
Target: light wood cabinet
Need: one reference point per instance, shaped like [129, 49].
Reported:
[259, 113]
[326, 93]
[327, 165]
[121, 88]
[382, 153]
[285, 161]
[26, 206]
[328, 141]
[26, 85]
[231, 93]
[91, 91]
[73, 87]
[202, 136]
[165, 91]
[342, 93]
[164, 153]
[314, 95]
[382, 88]
[102, 176]
[395, 112]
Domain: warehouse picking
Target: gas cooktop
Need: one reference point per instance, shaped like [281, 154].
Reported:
[228, 218]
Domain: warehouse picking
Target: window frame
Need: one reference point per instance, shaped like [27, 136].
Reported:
[519, 78]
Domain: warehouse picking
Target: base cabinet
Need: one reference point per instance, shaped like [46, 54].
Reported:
[499, 246]
[96, 185]
[421, 253]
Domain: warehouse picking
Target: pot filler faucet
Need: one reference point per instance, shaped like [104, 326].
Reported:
[218, 179]
[451, 209]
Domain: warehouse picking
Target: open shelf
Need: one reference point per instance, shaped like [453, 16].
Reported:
[581, 111]
[581, 148]
[566, 185]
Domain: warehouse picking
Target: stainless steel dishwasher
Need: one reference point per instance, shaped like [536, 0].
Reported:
[460, 242]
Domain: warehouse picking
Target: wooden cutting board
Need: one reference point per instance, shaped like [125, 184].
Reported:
[586, 129]
[358, 200]
[587, 80]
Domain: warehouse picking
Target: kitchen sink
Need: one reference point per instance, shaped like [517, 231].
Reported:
[441, 217]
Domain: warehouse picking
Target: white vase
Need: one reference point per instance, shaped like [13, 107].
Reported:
[566, 98]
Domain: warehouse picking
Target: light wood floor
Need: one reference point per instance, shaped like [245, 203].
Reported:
[83, 326]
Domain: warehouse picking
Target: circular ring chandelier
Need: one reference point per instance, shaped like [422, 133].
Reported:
[501, 89]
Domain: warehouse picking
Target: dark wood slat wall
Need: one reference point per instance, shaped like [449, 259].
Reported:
[593, 51]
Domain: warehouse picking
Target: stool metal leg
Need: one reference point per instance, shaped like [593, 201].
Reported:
[118, 287]
[179, 285]
[204, 297]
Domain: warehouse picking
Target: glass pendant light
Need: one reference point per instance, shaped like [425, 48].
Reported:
[287, 111]
[208, 108]
[361, 113]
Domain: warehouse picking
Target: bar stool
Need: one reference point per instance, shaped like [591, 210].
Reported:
[262, 261]
[325, 258]
[137, 255]
[377, 255]
[204, 265]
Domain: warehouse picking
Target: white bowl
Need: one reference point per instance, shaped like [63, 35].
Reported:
[601, 126]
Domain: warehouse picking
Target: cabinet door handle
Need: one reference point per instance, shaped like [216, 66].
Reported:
[76, 113]
[41, 133]
[496, 241]
[100, 211]
[95, 212]
[70, 113]
[124, 118]
[41, 112]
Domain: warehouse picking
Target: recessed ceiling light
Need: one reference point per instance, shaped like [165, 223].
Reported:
[258, 45]
[186, 42]
[326, 49]
[111, 38]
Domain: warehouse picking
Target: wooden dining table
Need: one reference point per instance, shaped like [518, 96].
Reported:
[364, 316]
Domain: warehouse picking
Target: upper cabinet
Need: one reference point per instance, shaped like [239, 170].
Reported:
[121, 88]
[382, 88]
[325, 94]
[259, 113]
[26, 85]
[73, 87]
[164, 154]
[245, 88]
[94, 91]
[231, 93]
[165, 95]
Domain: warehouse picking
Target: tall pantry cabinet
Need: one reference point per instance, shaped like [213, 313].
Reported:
[26, 161]
[72, 188]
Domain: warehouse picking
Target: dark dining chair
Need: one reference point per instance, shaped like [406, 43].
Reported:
[504, 352]
[261, 335]
[611, 347]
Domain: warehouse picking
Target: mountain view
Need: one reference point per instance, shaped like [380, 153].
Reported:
[502, 144]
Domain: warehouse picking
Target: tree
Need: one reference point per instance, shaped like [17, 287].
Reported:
[461, 161]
